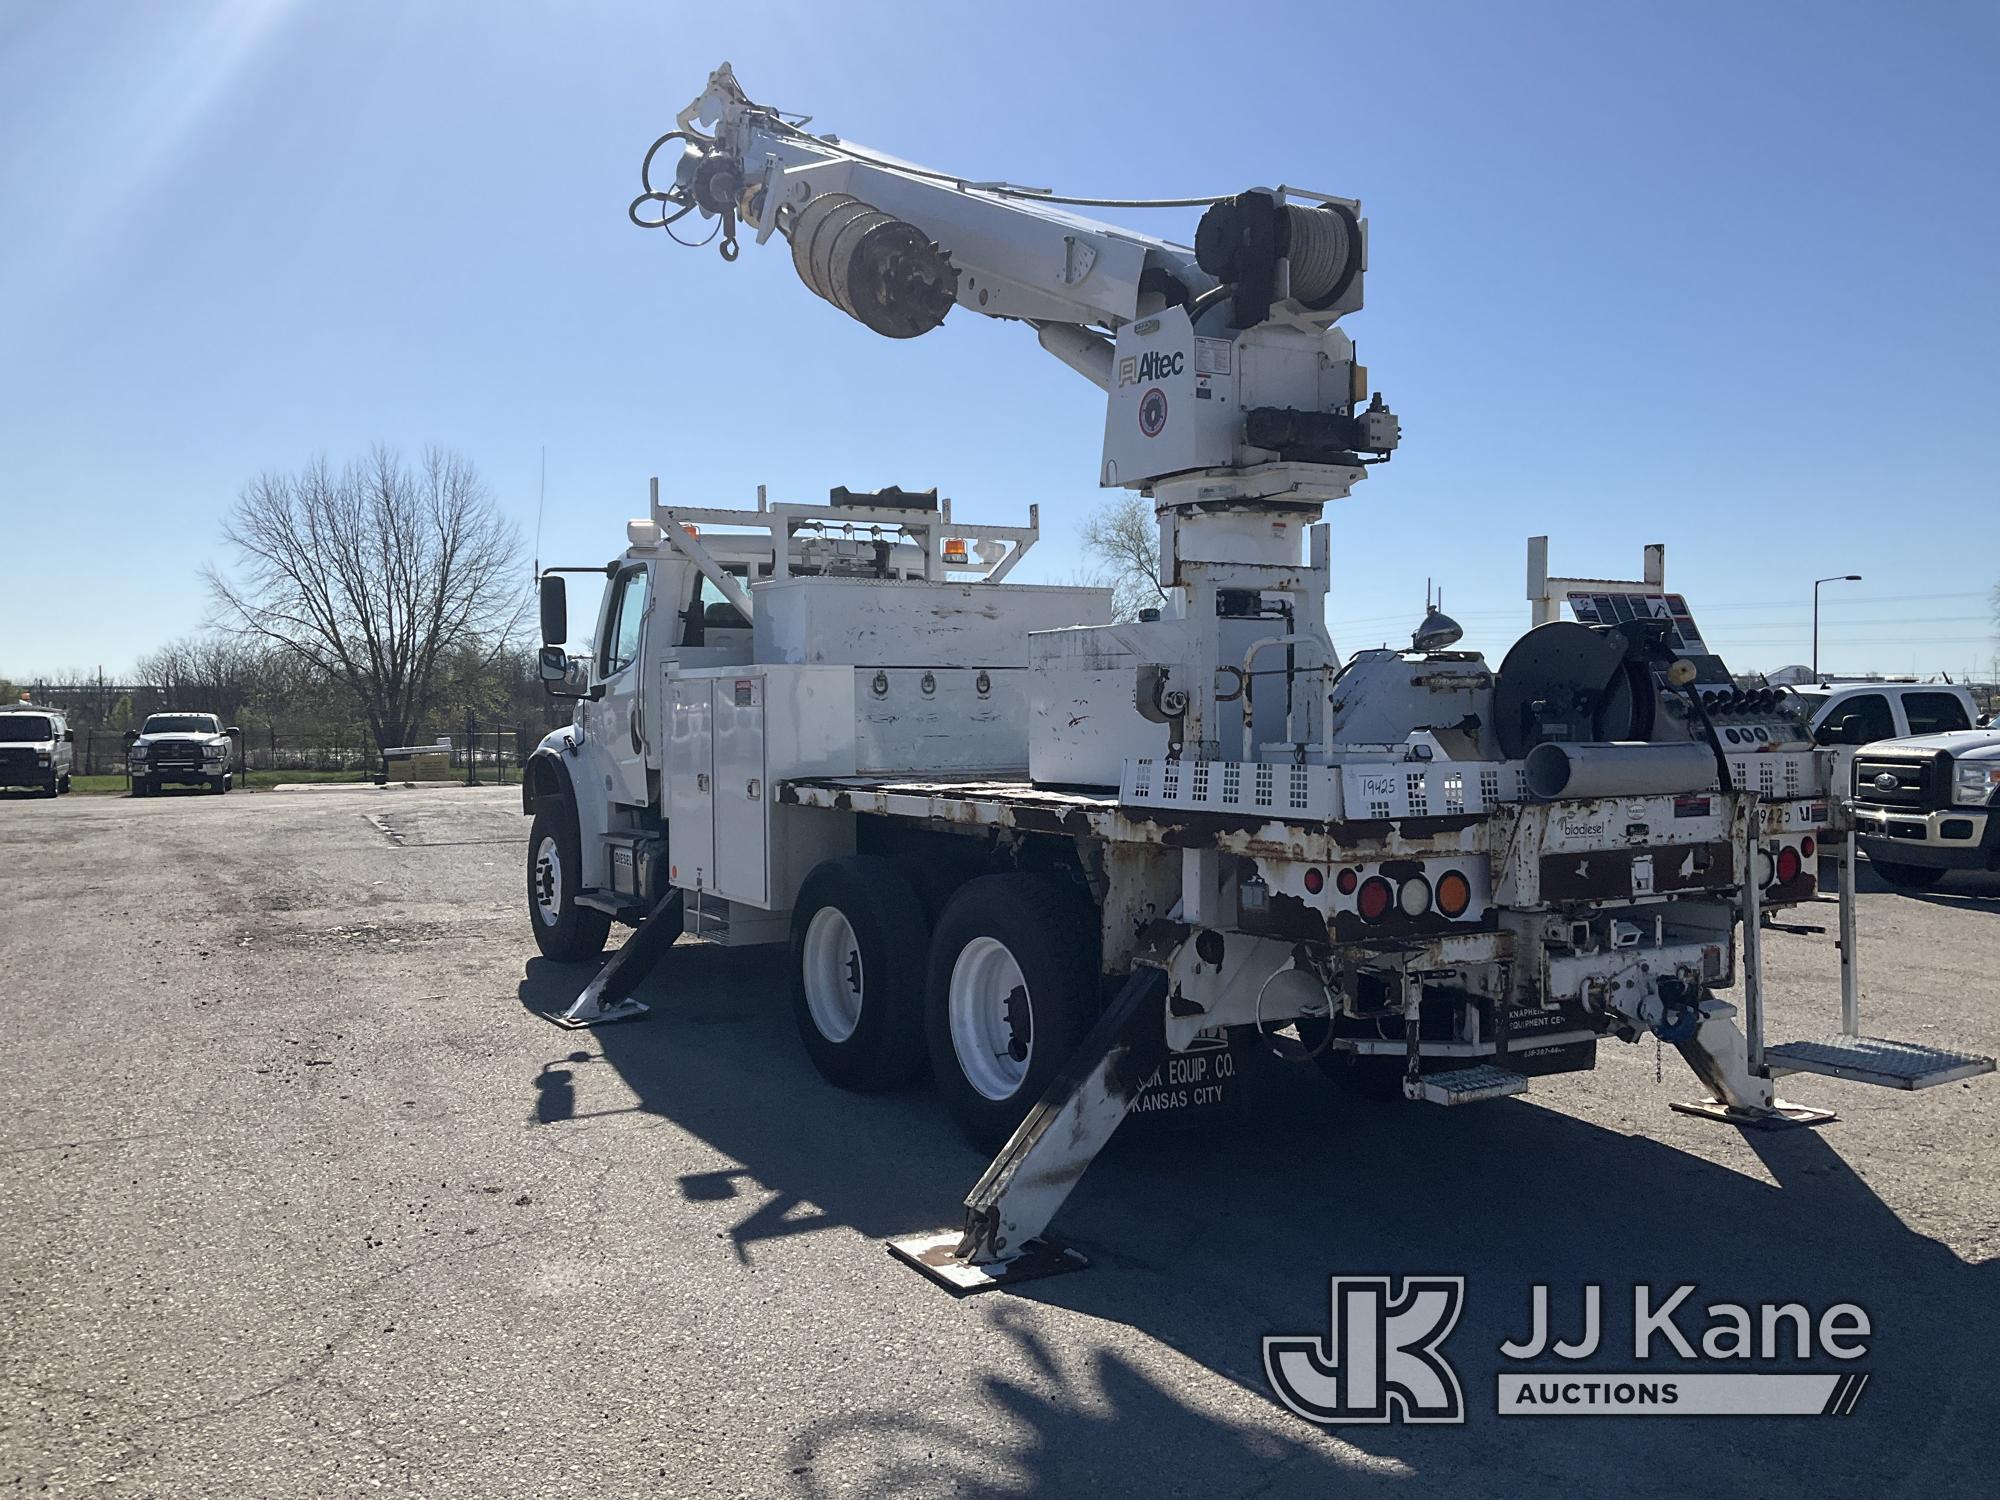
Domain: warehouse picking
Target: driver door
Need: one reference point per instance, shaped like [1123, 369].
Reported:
[618, 719]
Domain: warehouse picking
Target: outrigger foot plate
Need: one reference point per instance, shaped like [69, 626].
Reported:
[608, 997]
[1780, 1115]
[935, 1255]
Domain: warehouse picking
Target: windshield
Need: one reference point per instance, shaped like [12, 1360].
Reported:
[20, 729]
[182, 724]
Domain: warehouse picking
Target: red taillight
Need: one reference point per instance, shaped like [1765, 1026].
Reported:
[1315, 882]
[1345, 882]
[1806, 846]
[1789, 865]
[1375, 899]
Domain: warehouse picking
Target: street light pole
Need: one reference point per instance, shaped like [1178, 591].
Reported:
[1835, 578]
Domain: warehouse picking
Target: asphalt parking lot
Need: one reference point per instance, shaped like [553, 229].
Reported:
[304, 1198]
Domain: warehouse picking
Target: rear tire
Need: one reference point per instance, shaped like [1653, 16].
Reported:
[1908, 877]
[858, 942]
[1012, 989]
[564, 931]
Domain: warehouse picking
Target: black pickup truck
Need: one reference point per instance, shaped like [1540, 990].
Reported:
[1929, 803]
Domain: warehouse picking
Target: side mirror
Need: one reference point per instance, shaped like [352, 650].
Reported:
[555, 612]
[233, 732]
[563, 676]
[130, 737]
[69, 736]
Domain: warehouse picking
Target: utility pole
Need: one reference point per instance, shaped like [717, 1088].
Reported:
[1835, 578]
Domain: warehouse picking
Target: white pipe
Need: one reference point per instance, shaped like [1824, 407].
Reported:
[1618, 770]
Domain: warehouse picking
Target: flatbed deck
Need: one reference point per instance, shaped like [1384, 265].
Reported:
[1077, 811]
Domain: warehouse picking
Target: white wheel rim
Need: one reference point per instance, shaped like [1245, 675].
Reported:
[830, 968]
[548, 881]
[992, 1030]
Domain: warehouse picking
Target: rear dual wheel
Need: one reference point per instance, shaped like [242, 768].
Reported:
[1010, 991]
[858, 938]
[999, 996]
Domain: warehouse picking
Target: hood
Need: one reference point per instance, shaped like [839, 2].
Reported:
[180, 736]
[1960, 744]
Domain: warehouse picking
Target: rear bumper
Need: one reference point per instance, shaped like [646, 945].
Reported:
[1950, 838]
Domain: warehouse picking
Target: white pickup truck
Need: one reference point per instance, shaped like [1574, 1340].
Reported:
[1923, 778]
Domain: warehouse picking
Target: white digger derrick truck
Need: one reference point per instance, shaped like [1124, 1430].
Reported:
[1067, 860]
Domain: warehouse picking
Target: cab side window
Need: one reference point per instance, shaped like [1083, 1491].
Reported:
[1860, 720]
[622, 623]
[1934, 713]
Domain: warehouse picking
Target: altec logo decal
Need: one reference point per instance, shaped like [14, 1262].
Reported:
[1382, 1359]
[1152, 365]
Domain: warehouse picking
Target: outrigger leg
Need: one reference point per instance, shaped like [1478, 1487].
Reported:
[1010, 1207]
[608, 996]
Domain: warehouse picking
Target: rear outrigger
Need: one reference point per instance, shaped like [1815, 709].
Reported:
[1069, 862]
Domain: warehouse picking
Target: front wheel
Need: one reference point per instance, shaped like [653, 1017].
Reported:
[1908, 877]
[218, 784]
[141, 787]
[564, 930]
[1011, 990]
[858, 938]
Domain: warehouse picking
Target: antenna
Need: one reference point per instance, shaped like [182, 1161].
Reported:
[541, 499]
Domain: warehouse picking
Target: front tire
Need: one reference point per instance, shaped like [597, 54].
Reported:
[564, 931]
[858, 940]
[1908, 877]
[1011, 990]
[141, 787]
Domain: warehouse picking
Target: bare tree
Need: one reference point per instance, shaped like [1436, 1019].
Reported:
[1122, 540]
[373, 576]
[219, 674]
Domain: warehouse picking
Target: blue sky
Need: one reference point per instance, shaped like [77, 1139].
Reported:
[1718, 275]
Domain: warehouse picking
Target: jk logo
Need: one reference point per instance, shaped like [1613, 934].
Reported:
[1379, 1361]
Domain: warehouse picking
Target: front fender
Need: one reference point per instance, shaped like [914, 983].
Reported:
[547, 772]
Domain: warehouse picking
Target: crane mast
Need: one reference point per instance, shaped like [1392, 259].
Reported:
[1232, 400]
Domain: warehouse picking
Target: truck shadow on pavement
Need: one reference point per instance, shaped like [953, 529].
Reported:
[1208, 1239]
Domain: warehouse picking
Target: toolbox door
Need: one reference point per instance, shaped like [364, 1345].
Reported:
[742, 792]
[691, 784]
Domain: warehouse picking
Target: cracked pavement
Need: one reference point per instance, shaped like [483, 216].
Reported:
[304, 1198]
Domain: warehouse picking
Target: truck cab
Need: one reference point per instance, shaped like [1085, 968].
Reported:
[705, 612]
[37, 748]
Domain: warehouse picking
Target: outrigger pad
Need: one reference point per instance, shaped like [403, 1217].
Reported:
[933, 1255]
[608, 997]
[1780, 1116]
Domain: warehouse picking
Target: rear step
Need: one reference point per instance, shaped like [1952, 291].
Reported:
[1468, 1085]
[1869, 1059]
